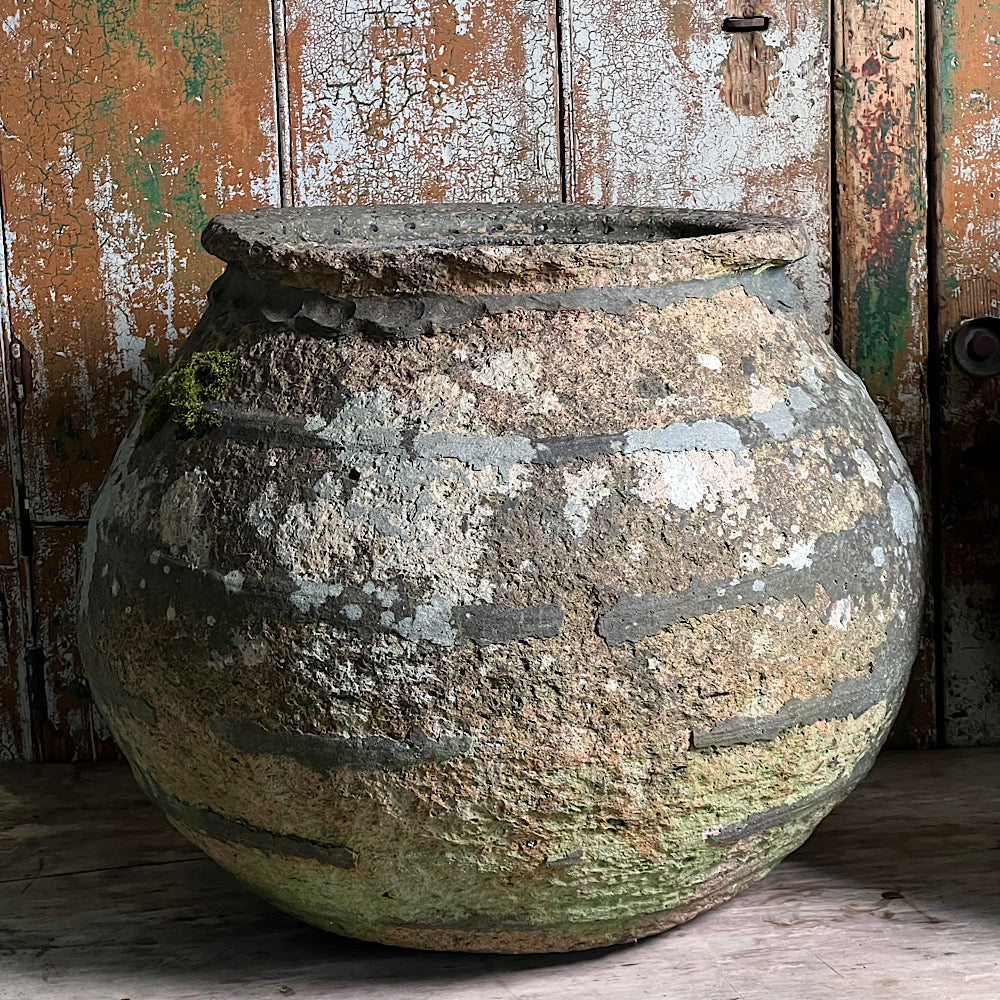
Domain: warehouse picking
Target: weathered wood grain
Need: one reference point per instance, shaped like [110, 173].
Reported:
[881, 220]
[966, 58]
[893, 897]
[664, 107]
[15, 725]
[126, 126]
[68, 726]
[433, 101]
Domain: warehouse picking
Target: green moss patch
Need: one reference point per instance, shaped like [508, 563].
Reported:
[181, 395]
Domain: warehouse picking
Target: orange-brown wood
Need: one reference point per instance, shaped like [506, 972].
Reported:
[967, 126]
[665, 107]
[125, 127]
[434, 101]
[881, 218]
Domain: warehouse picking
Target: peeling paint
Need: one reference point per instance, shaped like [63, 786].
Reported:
[657, 130]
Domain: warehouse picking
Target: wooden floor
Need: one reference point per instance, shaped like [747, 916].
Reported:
[895, 896]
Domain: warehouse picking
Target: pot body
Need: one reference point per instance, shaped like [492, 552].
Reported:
[505, 622]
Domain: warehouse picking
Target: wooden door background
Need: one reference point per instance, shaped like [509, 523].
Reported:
[124, 126]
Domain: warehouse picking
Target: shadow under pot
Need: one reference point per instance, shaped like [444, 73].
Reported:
[510, 578]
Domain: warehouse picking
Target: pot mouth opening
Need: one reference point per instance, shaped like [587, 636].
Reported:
[456, 226]
[474, 248]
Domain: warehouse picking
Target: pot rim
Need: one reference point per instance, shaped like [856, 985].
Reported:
[468, 248]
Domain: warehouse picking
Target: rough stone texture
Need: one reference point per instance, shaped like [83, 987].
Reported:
[541, 624]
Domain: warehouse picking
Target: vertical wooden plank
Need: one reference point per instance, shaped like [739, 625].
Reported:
[667, 108]
[15, 729]
[15, 721]
[66, 730]
[125, 127]
[966, 61]
[440, 100]
[881, 220]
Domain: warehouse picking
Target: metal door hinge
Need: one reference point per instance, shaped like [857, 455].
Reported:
[20, 369]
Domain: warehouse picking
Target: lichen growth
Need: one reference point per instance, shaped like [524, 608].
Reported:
[182, 394]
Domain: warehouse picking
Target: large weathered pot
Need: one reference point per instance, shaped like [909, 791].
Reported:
[510, 579]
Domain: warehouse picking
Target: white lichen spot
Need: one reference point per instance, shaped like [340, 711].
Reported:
[312, 593]
[799, 555]
[430, 621]
[386, 596]
[171, 612]
[180, 520]
[759, 586]
[710, 361]
[839, 615]
[688, 479]
[515, 372]
[253, 650]
[115, 587]
[867, 468]
[584, 491]
[878, 556]
[352, 612]
[901, 509]
[760, 644]
[233, 581]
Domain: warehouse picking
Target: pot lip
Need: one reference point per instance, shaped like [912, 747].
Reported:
[468, 248]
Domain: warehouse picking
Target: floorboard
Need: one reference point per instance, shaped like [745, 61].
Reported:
[897, 895]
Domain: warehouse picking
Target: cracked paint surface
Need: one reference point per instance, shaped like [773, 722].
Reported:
[705, 119]
[422, 102]
[124, 127]
[500, 675]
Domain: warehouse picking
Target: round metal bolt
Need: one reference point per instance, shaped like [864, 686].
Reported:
[982, 345]
[976, 346]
